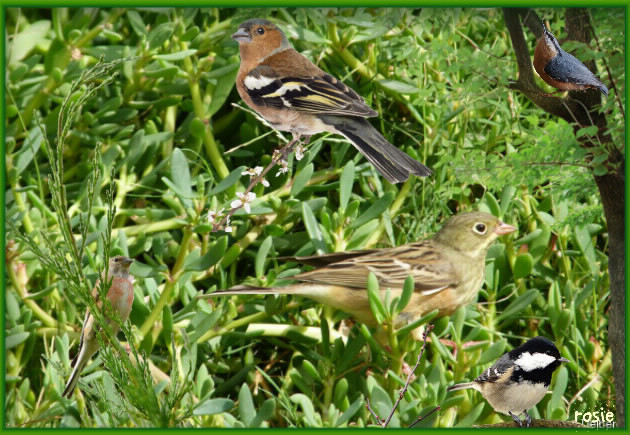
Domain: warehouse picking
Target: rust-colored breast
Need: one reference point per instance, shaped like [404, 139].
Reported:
[542, 56]
[121, 296]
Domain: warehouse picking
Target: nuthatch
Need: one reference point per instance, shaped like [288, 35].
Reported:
[560, 69]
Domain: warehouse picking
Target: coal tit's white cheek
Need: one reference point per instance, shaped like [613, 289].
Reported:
[529, 362]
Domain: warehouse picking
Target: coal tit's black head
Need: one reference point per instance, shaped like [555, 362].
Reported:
[535, 360]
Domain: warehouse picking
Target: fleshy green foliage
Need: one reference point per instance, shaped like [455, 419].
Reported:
[164, 136]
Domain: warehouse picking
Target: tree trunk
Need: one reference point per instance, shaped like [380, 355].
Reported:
[579, 109]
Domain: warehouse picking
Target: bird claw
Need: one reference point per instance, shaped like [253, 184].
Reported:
[528, 419]
[518, 420]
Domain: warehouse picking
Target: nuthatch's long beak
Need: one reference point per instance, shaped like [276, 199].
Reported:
[241, 35]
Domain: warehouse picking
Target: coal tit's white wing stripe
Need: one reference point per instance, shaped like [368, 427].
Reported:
[528, 362]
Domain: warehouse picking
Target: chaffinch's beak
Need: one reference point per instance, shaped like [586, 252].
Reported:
[504, 229]
[241, 35]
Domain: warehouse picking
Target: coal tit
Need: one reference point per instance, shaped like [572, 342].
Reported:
[519, 379]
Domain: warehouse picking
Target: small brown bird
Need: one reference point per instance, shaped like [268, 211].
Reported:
[294, 95]
[448, 271]
[120, 295]
[561, 69]
[519, 379]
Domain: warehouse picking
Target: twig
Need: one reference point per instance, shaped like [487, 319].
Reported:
[384, 423]
[422, 417]
[376, 417]
[277, 157]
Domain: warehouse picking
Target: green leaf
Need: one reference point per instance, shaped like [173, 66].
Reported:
[341, 392]
[585, 242]
[523, 265]
[265, 412]
[398, 86]
[559, 388]
[416, 323]
[350, 354]
[301, 178]
[261, 256]
[161, 34]
[246, 410]
[405, 296]
[350, 412]
[136, 22]
[519, 304]
[12, 306]
[197, 128]
[13, 340]
[307, 409]
[361, 234]
[312, 228]
[493, 353]
[492, 204]
[29, 149]
[180, 175]
[589, 131]
[228, 181]
[213, 406]
[472, 416]
[375, 210]
[310, 370]
[167, 321]
[178, 55]
[26, 40]
[203, 322]
[374, 298]
[345, 185]
[382, 404]
[226, 77]
[212, 257]
[304, 34]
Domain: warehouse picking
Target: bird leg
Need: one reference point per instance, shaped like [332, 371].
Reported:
[516, 419]
[528, 419]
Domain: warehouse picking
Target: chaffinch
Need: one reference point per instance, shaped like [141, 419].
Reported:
[294, 95]
[448, 271]
[120, 295]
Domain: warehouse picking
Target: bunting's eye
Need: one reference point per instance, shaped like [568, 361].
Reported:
[260, 31]
[480, 228]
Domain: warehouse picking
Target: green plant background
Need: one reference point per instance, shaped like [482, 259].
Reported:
[166, 140]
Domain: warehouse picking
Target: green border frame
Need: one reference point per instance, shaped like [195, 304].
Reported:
[293, 3]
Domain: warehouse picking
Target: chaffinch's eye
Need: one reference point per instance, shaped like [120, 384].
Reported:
[260, 31]
[480, 228]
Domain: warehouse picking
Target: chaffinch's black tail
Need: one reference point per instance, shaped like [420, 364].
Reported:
[392, 163]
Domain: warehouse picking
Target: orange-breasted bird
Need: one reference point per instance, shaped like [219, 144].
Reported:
[561, 69]
[120, 295]
[294, 95]
[448, 271]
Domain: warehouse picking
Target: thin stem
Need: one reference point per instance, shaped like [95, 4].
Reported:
[428, 328]
[170, 283]
[422, 417]
[385, 423]
[245, 321]
[278, 156]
